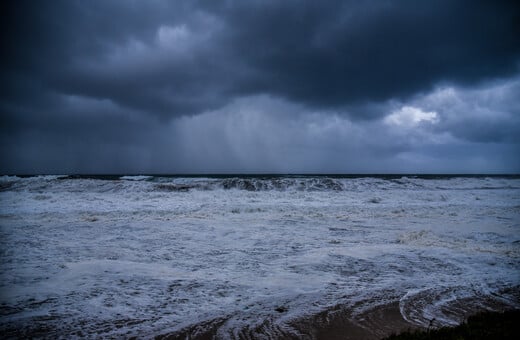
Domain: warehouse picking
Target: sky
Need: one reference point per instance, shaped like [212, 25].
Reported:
[294, 86]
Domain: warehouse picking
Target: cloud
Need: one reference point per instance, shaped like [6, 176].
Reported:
[291, 86]
[264, 134]
[338, 53]
[267, 134]
[256, 134]
[410, 116]
[159, 56]
[486, 114]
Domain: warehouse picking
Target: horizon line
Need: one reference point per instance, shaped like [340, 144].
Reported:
[258, 174]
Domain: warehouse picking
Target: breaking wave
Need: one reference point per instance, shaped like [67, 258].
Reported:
[258, 183]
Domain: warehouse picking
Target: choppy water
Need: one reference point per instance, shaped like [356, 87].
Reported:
[144, 255]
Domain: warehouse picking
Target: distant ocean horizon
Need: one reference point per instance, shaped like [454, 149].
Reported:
[113, 176]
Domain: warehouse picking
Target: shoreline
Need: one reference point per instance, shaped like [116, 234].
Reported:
[366, 319]
[340, 322]
[337, 322]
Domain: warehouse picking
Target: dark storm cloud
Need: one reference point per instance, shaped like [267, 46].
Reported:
[326, 54]
[137, 84]
[341, 52]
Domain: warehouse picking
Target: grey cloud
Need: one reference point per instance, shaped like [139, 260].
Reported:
[488, 114]
[288, 86]
[252, 134]
[325, 54]
[263, 134]
[334, 54]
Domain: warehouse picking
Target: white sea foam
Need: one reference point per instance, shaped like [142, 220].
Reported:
[150, 255]
[136, 178]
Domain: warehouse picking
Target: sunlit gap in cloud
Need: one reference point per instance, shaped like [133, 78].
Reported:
[411, 116]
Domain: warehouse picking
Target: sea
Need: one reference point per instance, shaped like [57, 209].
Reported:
[246, 255]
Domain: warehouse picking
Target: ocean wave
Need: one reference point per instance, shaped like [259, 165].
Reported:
[147, 183]
[122, 257]
[257, 184]
[136, 178]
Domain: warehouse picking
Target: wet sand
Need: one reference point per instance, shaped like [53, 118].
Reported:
[335, 323]
[338, 322]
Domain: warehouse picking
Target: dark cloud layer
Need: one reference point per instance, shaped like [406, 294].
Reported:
[82, 79]
[341, 52]
[324, 53]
